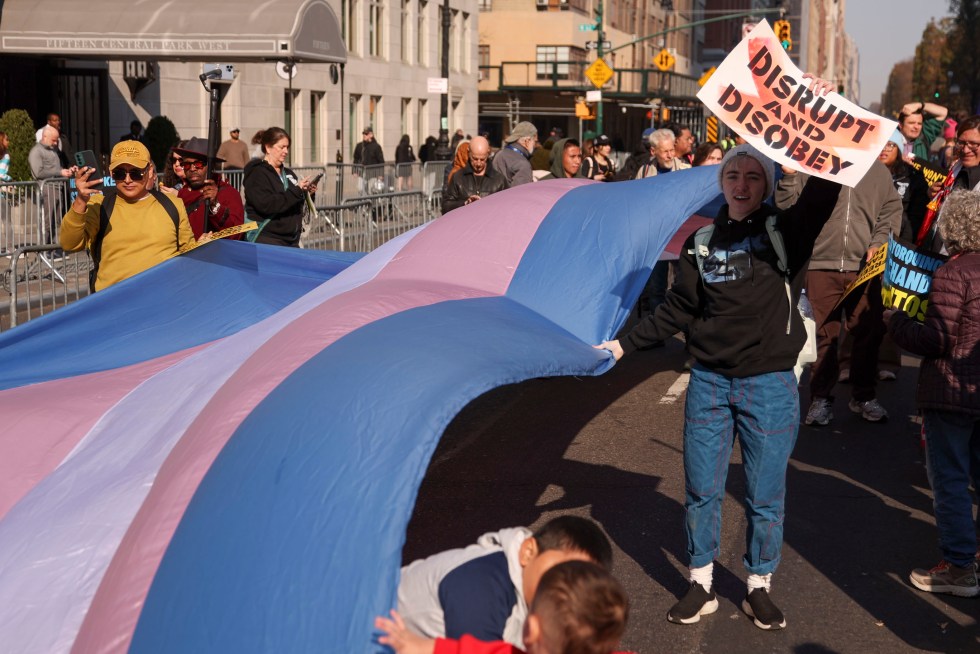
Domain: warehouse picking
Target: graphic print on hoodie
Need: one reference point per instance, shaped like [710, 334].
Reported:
[734, 263]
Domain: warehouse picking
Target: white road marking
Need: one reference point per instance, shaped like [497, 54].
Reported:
[676, 389]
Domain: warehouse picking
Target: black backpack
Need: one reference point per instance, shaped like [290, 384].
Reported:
[105, 212]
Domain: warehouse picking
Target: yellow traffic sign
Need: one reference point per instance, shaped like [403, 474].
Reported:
[599, 73]
[664, 60]
[707, 75]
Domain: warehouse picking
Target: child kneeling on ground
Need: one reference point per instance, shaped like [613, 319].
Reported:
[484, 590]
[579, 607]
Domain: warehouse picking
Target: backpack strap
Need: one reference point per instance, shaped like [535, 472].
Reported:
[782, 260]
[701, 239]
[105, 213]
[95, 248]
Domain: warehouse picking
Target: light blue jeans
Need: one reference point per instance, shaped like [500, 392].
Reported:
[953, 463]
[764, 412]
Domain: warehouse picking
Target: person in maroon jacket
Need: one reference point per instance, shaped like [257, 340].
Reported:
[948, 394]
[226, 209]
[579, 607]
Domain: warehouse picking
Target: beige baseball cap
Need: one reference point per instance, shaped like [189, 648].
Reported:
[133, 153]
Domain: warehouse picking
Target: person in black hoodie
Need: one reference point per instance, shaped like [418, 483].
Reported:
[745, 332]
[274, 195]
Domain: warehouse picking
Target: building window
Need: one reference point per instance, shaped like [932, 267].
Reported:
[464, 50]
[374, 116]
[559, 62]
[455, 41]
[407, 31]
[354, 120]
[376, 14]
[289, 107]
[485, 5]
[483, 56]
[348, 10]
[316, 98]
[421, 36]
[421, 125]
[406, 123]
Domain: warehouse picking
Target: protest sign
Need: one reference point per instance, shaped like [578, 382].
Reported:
[224, 233]
[762, 96]
[908, 277]
[874, 267]
[929, 172]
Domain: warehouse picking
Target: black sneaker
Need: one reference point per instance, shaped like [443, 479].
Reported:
[758, 605]
[695, 603]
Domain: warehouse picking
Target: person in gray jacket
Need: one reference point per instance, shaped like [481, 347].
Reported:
[45, 161]
[860, 224]
[513, 160]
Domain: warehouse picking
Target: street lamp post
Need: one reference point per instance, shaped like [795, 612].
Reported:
[442, 146]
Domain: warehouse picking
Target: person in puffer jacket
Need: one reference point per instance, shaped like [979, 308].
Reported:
[949, 395]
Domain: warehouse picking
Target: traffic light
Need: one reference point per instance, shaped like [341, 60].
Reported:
[935, 95]
[784, 34]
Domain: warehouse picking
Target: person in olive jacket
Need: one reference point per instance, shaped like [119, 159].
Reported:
[274, 196]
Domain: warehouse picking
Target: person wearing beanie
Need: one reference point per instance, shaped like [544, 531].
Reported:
[737, 299]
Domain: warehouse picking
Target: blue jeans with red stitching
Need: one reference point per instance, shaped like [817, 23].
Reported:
[763, 411]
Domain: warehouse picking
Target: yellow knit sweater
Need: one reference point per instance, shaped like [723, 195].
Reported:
[140, 235]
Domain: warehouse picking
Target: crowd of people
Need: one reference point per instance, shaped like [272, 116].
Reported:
[779, 234]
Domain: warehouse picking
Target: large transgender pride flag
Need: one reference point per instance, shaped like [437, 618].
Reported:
[222, 453]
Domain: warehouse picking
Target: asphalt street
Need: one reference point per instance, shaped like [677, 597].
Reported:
[859, 510]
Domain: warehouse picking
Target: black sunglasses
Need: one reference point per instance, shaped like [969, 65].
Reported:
[135, 174]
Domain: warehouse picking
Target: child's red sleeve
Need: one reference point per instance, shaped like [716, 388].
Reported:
[470, 645]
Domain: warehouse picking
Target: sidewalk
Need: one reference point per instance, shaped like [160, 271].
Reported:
[859, 513]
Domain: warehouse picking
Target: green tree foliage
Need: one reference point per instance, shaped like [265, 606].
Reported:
[19, 128]
[964, 46]
[932, 61]
[160, 136]
[899, 89]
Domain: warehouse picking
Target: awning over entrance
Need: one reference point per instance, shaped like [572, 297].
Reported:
[174, 30]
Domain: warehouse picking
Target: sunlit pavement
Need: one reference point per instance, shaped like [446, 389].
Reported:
[858, 518]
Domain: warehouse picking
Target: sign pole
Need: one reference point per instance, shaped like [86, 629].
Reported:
[602, 37]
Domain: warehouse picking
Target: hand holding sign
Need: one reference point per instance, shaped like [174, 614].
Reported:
[794, 118]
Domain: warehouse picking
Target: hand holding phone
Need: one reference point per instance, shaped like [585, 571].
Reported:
[87, 162]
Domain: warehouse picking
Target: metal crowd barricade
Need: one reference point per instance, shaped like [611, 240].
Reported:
[345, 227]
[234, 177]
[20, 206]
[393, 214]
[56, 198]
[42, 278]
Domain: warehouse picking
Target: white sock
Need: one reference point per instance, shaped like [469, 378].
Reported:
[702, 575]
[759, 581]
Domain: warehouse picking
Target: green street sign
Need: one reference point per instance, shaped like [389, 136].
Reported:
[587, 27]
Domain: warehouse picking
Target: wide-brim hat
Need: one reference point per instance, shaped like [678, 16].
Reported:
[198, 149]
[133, 153]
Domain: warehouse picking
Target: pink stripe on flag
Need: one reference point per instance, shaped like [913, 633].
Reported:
[58, 414]
[466, 254]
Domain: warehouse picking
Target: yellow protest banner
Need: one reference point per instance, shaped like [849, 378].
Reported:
[761, 95]
[874, 267]
[224, 233]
